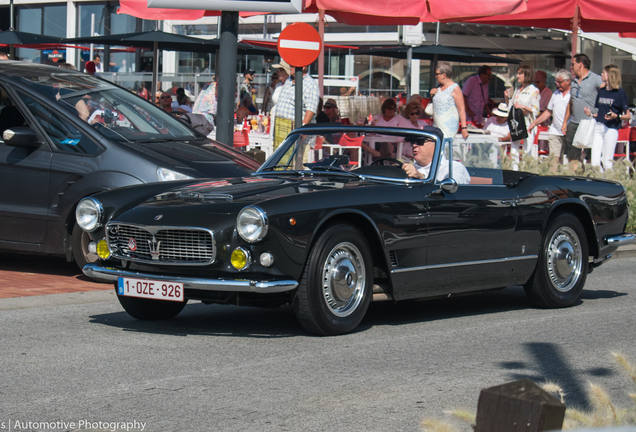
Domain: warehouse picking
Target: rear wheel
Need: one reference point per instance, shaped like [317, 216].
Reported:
[80, 241]
[335, 290]
[149, 309]
[562, 268]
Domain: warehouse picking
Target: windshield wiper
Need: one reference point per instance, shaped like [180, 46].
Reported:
[287, 170]
[154, 140]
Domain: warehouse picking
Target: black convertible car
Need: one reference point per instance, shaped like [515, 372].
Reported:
[327, 225]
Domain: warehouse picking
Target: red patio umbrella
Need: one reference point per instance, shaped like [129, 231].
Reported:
[587, 15]
[403, 12]
[355, 12]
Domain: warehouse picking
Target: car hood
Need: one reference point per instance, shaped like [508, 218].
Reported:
[231, 195]
[196, 159]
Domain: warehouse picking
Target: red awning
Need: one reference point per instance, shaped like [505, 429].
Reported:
[595, 15]
[356, 12]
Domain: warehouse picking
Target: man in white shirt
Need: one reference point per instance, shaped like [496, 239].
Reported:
[423, 152]
[556, 108]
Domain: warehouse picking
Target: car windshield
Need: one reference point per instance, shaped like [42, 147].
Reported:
[378, 153]
[347, 150]
[119, 114]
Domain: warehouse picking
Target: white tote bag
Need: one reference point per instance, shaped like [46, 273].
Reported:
[584, 136]
[429, 109]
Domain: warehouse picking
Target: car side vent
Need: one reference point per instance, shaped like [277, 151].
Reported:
[393, 258]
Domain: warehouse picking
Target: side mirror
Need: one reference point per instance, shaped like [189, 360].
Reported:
[21, 136]
[449, 185]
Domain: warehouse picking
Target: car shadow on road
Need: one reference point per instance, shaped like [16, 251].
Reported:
[414, 311]
[242, 321]
[198, 319]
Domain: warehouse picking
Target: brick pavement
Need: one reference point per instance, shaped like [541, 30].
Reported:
[31, 275]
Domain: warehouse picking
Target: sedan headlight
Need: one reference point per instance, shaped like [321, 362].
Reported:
[165, 174]
[251, 224]
[89, 213]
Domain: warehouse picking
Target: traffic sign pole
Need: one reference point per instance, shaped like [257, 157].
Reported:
[298, 107]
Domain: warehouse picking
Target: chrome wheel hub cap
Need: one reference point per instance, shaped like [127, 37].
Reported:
[564, 259]
[343, 279]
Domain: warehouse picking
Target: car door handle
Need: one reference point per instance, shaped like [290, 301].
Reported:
[511, 202]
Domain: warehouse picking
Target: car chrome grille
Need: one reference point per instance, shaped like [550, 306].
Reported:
[161, 245]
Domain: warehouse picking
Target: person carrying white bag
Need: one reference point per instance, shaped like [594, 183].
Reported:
[584, 137]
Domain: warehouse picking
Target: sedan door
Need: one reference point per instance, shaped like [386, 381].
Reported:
[24, 176]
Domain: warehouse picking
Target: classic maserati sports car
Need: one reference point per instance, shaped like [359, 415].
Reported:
[327, 225]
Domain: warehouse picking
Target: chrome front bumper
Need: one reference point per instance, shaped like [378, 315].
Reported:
[621, 240]
[109, 274]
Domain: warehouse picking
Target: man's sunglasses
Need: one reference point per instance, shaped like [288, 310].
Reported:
[421, 143]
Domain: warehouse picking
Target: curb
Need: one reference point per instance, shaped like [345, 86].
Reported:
[625, 252]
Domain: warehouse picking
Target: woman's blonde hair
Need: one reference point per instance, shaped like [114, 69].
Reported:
[613, 76]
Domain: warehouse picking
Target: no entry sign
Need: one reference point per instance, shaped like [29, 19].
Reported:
[299, 44]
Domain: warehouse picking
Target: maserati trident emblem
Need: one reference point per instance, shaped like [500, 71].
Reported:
[158, 217]
[154, 248]
[132, 244]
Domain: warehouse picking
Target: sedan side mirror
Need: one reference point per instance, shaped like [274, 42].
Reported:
[21, 136]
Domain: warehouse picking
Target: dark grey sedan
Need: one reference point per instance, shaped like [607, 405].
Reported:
[65, 135]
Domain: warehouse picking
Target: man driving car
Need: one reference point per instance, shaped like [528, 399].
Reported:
[423, 151]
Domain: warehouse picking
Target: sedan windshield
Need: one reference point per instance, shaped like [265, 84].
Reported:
[119, 114]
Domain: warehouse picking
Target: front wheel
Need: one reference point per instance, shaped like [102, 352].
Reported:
[563, 262]
[149, 309]
[335, 290]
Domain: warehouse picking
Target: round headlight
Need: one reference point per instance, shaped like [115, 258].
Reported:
[251, 224]
[89, 214]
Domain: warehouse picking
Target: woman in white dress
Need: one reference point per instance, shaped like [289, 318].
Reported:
[526, 97]
[448, 103]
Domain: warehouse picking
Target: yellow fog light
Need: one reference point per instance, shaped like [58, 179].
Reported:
[240, 258]
[102, 249]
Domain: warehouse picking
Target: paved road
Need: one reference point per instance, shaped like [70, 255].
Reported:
[78, 356]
